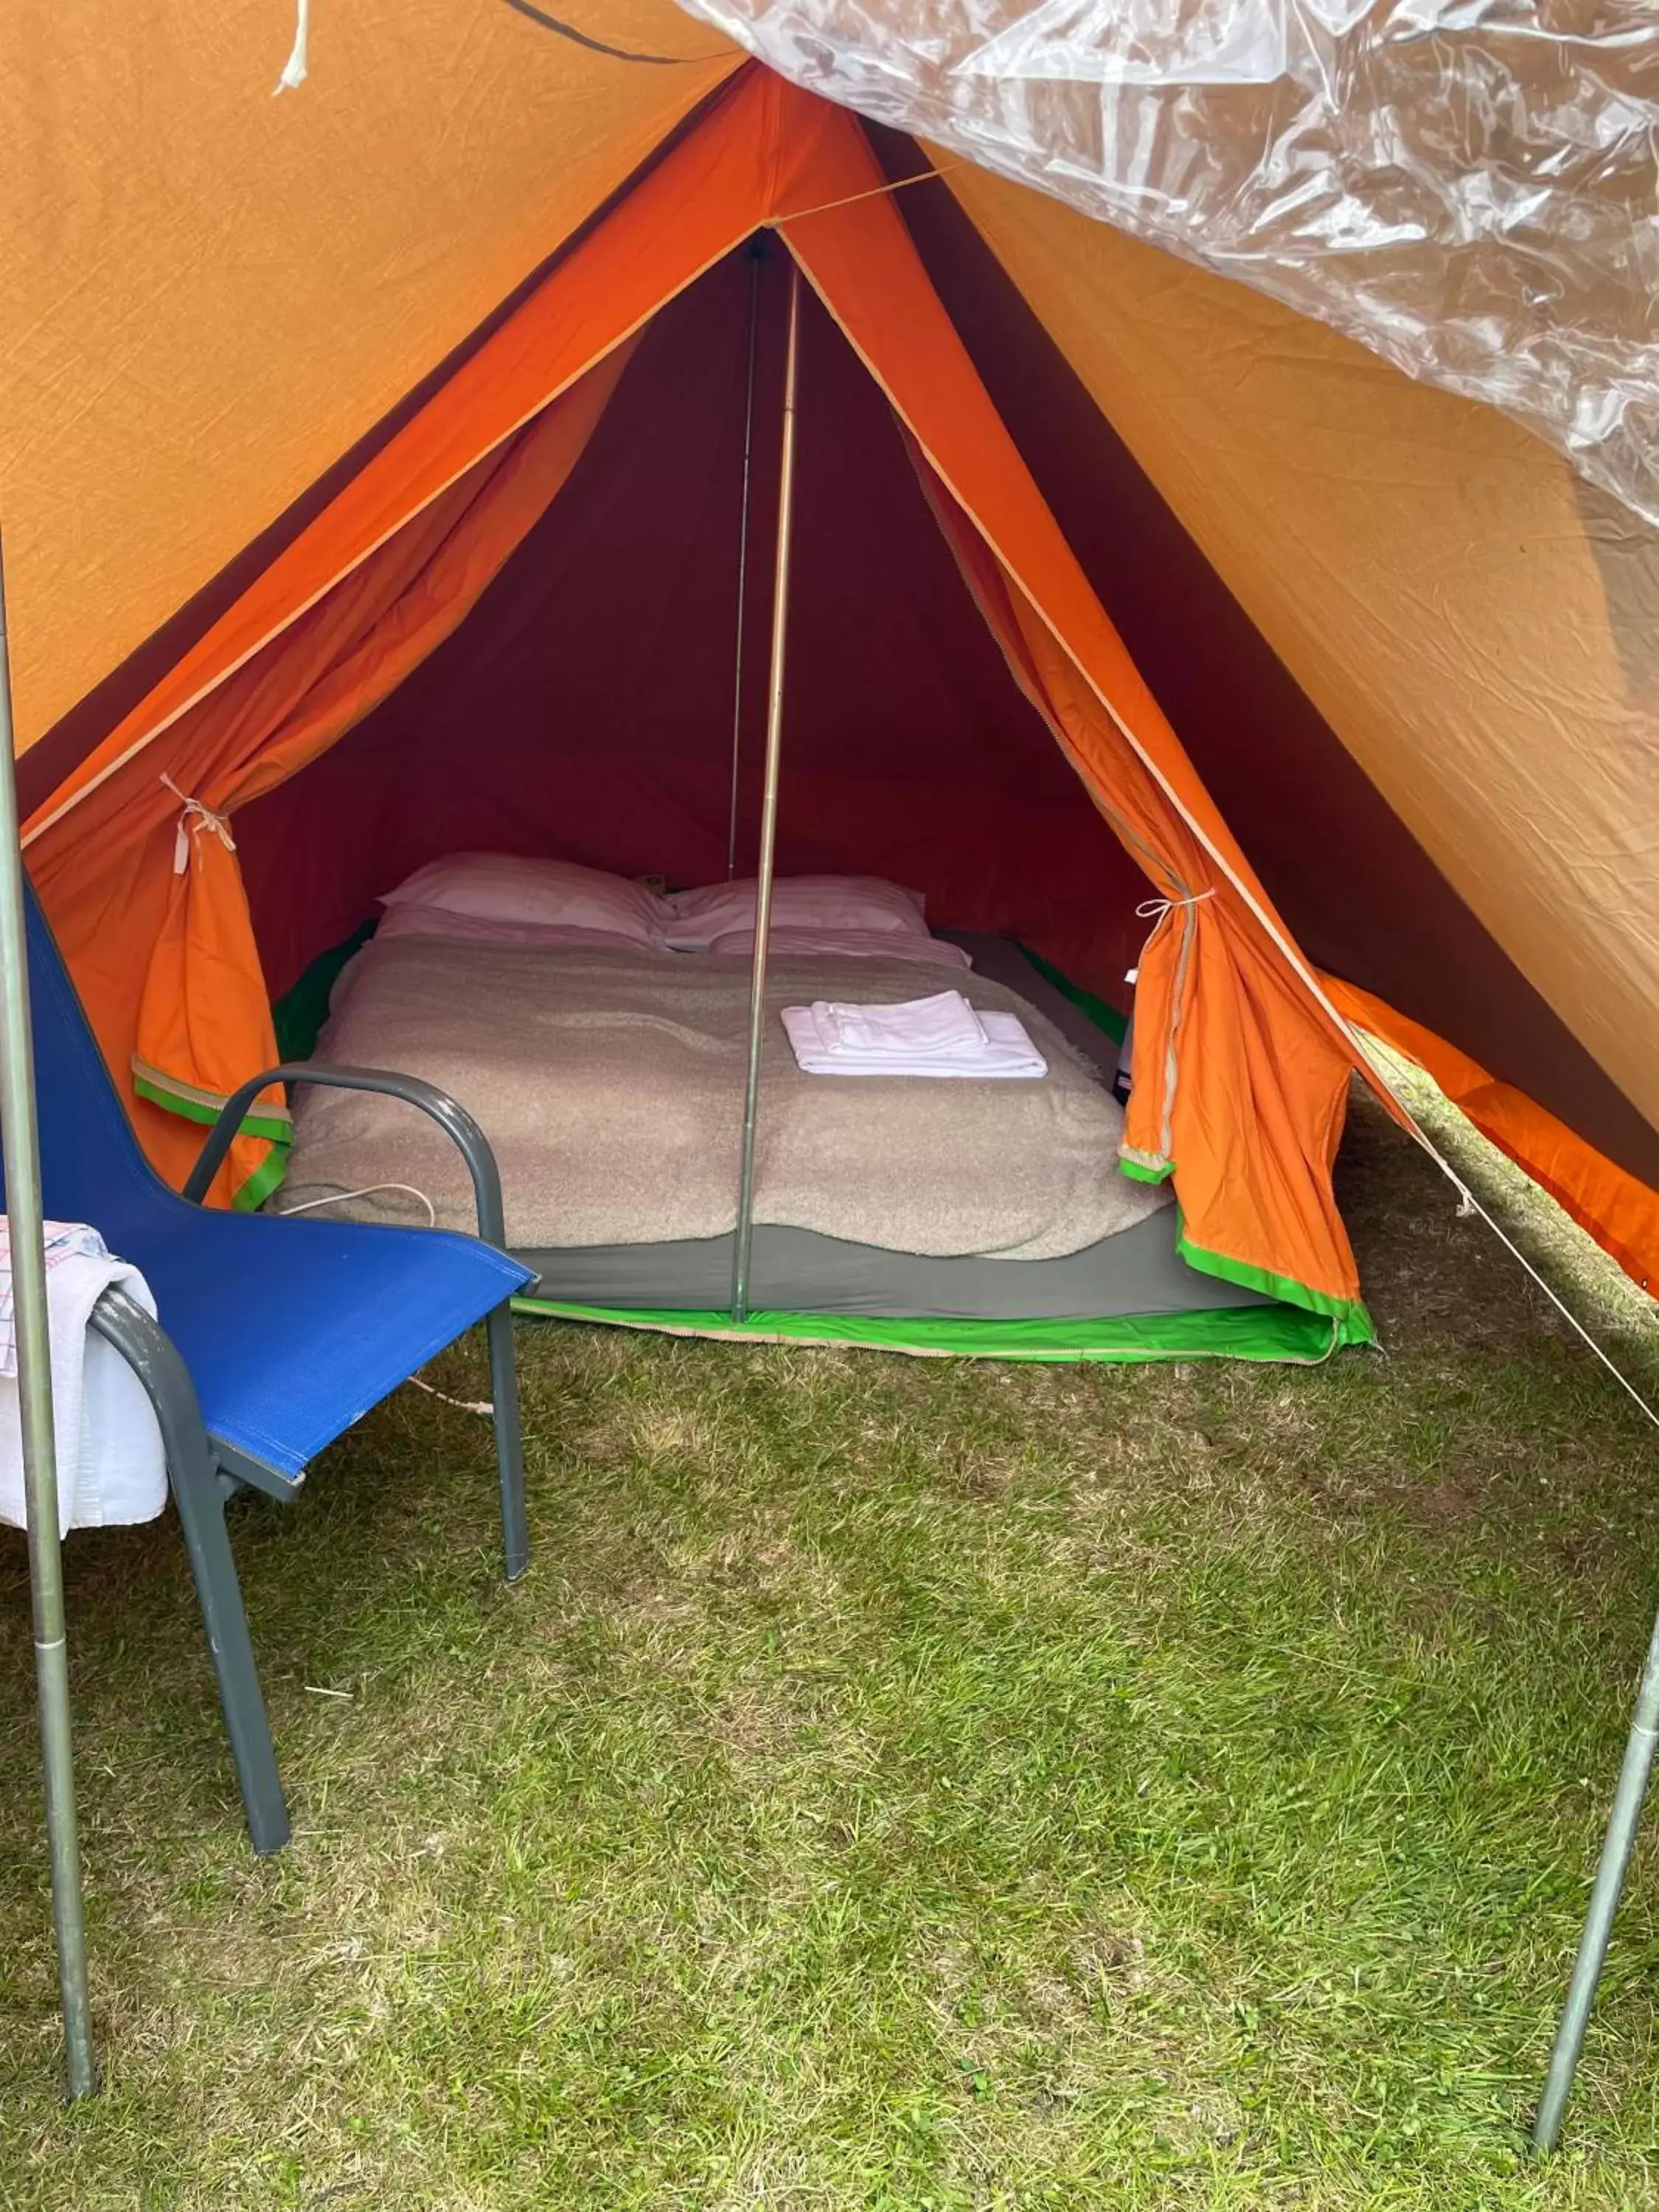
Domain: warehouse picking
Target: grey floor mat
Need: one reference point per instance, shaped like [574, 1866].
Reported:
[796, 1271]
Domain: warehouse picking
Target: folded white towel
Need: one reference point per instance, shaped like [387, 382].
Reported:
[111, 1466]
[943, 1023]
[1007, 1051]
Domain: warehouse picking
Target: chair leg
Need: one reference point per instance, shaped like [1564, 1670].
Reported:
[200, 1501]
[510, 1441]
[200, 1496]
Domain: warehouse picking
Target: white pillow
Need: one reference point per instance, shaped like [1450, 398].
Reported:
[501, 887]
[401, 920]
[845, 943]
[697, 918]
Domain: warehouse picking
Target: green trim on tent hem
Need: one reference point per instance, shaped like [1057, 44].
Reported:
[199, 1106]
[265, 1180]
[1285, 1334]
[196, 1106]
[1352, 1322]
[1101, 1012]
[1141, 1168]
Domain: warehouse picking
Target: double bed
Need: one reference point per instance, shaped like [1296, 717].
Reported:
[610, 1078]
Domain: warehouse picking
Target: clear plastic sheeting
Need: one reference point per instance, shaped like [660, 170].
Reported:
[1470, 187]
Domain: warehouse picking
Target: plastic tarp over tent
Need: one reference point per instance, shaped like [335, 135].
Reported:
[1466, 187]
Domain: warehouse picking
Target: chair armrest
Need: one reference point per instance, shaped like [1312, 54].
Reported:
[154, 1359]
[453, 1119]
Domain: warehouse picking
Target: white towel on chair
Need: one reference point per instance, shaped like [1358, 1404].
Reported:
[941, 1036]
[111, 1466]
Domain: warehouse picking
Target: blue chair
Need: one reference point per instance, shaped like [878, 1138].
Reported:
[274, 1335]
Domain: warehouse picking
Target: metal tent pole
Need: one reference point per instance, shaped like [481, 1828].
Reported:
[1616, 1848]
[757, 255]
[769, 830]
[20, 1145]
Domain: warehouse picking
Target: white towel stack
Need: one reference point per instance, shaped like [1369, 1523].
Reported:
[942, 1036]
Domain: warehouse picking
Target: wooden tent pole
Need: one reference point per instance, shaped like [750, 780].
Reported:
[19, 1142]
[769, 830]
[757, 255]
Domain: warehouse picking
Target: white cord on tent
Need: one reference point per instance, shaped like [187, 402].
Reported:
[1155, 909]
[195, 819]
[293, 70]
[368, 1190]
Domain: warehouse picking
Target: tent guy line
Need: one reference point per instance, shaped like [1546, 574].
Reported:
[1468, 1203]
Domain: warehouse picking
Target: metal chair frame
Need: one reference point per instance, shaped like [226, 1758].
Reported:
[205, 1471]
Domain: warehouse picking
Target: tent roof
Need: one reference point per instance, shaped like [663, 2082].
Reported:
[1472, 625]
[212, 292]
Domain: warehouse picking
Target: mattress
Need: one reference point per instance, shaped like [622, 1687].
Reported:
[1046, 1305]
[611, 1084]
[1137, 1271]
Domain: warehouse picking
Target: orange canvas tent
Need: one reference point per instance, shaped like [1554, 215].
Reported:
[1331, 826]
[361, 458]
[1246, 1062]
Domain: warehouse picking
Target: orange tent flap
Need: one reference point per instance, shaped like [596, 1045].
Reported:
[1240, 1083]
[843, 227]
[205, 1012]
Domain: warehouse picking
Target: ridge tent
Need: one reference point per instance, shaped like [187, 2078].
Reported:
[1369, 608]
[512, 624]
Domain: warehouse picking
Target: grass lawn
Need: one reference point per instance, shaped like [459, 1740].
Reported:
[898, 1785]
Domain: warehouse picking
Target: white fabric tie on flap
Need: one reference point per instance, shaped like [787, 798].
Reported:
[1155, 909]
[293, 70]
[195, 819]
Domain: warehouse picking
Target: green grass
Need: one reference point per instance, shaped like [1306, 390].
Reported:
[898, 1785]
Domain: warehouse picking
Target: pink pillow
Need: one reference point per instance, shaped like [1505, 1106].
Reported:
[501, 887]
[845, 943]
[838, 902]
[402, 920]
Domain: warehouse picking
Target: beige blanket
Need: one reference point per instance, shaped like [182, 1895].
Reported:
[610, 1085]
